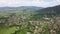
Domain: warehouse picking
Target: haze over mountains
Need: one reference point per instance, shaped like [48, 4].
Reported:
[28, 8]
[41, 10]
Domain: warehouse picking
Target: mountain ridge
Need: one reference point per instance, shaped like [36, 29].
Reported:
[55, 9]
[30, 8]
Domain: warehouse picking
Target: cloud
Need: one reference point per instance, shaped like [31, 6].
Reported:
[39, 3]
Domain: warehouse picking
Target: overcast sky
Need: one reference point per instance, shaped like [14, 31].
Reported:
[39, 3]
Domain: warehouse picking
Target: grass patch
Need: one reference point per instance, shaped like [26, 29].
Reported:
[9, 30]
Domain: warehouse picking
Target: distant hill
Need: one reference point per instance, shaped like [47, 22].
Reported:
[55, 9]
[30, 7]
[23, 8]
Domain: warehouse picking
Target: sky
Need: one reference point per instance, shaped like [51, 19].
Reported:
[38, 3]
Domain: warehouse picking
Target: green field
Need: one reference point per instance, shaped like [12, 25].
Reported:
[9, 30]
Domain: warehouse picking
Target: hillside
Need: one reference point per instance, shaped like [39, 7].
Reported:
[24, 20]
[55, 9]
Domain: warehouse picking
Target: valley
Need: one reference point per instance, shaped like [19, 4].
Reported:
[30, 21]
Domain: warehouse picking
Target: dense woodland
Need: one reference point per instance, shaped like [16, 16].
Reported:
[41, 21]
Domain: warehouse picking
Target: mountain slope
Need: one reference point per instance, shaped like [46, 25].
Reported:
[55, 9]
